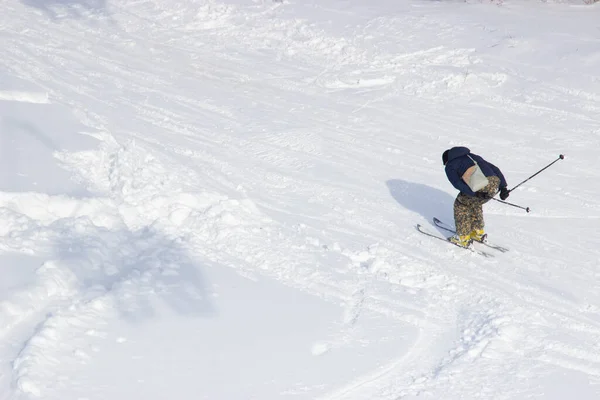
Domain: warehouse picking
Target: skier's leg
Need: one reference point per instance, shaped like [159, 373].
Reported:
[477, 222]
[477, 216]
[463, 215]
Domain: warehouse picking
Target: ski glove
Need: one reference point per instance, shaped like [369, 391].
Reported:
[482, 195]
[504, 192]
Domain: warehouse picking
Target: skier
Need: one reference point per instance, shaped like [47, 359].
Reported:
[478, 181]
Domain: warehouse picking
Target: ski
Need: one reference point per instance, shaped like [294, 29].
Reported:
[471, 249]
[446, 227]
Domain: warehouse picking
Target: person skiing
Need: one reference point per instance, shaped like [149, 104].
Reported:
[478, 181]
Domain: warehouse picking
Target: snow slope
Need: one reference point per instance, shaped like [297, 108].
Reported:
[217, 199]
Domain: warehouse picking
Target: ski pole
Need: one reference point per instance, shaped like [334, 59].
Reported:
[511, 204]
[560, 157]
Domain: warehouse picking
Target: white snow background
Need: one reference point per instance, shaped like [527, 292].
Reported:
[217, 199]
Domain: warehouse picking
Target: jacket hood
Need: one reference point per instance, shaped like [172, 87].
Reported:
[456, 152]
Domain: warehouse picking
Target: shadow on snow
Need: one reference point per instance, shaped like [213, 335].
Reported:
[425, 200]
[136, 268]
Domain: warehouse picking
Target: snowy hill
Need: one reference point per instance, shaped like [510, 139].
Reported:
[217, 199]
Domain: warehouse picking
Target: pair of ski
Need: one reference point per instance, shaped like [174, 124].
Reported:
[447, 228]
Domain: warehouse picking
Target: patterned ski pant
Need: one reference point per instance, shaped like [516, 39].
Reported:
[468, 211]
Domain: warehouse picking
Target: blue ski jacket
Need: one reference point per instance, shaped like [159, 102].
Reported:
[458, 163]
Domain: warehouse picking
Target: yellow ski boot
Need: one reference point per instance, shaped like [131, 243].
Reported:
[462, 241]
[479, 235]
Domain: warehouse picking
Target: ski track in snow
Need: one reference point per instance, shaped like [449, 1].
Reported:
[266, 170]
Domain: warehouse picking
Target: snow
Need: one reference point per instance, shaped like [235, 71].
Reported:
[217, 199]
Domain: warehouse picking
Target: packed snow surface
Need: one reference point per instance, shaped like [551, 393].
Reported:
[217, 199]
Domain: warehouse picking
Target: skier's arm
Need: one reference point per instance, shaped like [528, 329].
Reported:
[458, 183]
[498, 173]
